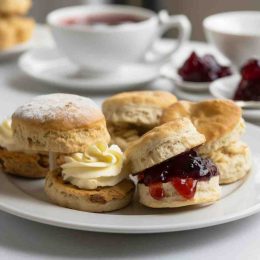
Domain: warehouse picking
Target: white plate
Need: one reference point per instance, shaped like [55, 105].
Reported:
[48, 65]
[26, 198]
[225, 88]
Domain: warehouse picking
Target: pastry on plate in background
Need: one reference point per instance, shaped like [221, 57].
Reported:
[16, 160]
[15, 29]
[86, 173]
[14, 7]
[222, 124]
[170, 171]
[131, 114]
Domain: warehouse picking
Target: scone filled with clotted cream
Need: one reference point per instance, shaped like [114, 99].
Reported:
[73, 129]
[16, 160]
[93, 181]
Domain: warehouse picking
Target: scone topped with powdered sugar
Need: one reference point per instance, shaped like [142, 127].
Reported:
[61, 123]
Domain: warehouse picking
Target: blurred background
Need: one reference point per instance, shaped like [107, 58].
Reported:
[196, 10]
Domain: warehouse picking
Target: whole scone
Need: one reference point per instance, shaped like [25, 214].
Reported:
[131, 114]
[169, 169]
[222, 124]
[59, 123]
[15, 7]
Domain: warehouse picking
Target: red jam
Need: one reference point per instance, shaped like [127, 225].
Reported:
[183, 171]
[185, 187]
[156, 190]
[249, 86]
[202, 69]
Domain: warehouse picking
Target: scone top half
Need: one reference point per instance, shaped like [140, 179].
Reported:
[220, 121]
[141, 108]
[61, 123]
[170, 171]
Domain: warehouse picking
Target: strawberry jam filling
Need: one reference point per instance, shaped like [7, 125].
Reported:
[182, 171]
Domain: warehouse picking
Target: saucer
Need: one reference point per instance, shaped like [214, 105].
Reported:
[225, 88]
[48, 65]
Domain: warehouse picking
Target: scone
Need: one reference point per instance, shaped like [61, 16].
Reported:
[15, 30]
[88, 175]
[222, 124]
[14, 7]
[60, 123]
[15, 160]
[170, 171]
[131, 114]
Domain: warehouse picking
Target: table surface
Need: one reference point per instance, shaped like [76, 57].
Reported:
[22, 239]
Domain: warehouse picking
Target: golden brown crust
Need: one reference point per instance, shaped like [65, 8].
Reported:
[233, 161]
[18, 7]
[162, 143]
[212, 118]
[59, 123]
[138, 107]
[99, 200]
[29, 165]
[160, 99]
[59, 111]
[15, 30]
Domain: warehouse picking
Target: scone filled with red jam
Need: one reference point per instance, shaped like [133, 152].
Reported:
[170, 172]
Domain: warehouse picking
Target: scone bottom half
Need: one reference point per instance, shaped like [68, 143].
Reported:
[104, 199]
[181, 180]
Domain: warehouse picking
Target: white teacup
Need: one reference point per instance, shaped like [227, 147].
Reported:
[235, 34]
[106, 48]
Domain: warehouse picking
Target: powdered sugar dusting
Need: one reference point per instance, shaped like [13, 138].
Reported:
[64, 107]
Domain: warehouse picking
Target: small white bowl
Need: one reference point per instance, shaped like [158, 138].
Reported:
[225, 88]
[235, 34]
[170, 72]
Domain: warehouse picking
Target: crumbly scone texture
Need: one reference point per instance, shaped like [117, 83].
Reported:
[233, 161]
[123, 135]
[162, 143]
[14, 7]
[137, 107]
[15, 30]
[100, 200]
[61, 123]
[219, 120]
[206, 192]
[29, 165]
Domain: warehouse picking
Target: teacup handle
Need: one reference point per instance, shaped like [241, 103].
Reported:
[182, 23]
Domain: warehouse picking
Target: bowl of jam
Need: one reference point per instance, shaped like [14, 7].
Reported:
[197, 72]
[244, 86]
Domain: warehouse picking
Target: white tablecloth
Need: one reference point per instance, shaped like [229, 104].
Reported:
[22, 239]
